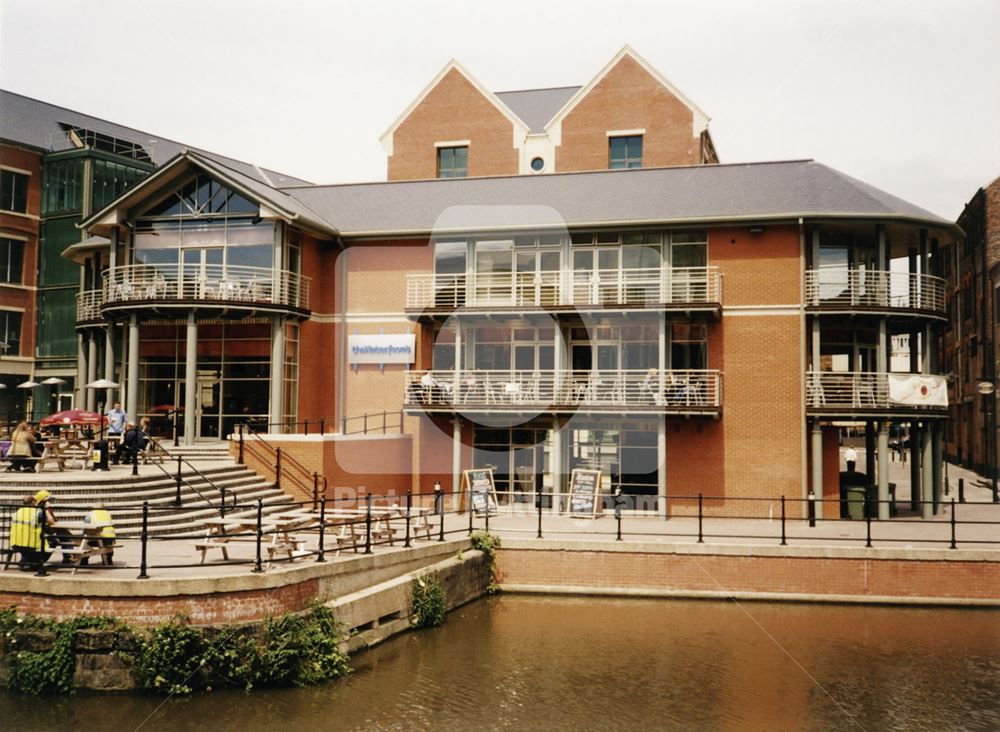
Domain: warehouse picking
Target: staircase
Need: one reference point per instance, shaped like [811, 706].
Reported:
[75, 493]
[201, 452]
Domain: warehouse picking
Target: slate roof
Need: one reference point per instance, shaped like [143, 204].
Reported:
[36, 123]
[705, 193]
[535, 107]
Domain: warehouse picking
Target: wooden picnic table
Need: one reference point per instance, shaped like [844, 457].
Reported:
[81, 549]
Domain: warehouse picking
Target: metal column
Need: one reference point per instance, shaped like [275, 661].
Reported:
[883, 470]
[869, 450]
[109, 361]
[81, 372]
[275, 406]
[915, 453]
[817, 466]
[937, 465]
[456, 464]
[91, 398]
[926, 473]
[190, 379]
[132, 402]
[661, 426]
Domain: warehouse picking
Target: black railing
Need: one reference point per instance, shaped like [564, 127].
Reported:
[286, 531]
[369, 423]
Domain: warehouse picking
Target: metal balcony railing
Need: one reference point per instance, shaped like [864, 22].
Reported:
[215, 282]
[871, 390]
[861, 288]
[579, 288]
[653, 389]
[88, 305]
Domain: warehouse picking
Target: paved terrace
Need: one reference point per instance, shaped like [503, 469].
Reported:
[977, 531]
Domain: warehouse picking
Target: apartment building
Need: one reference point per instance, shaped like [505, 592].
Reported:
[630, 305]
[969, 350]
[59, 167]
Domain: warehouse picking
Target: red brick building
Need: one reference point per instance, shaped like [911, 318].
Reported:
[686, 328]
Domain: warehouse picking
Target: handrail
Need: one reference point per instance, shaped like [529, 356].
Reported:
[601, 287]
[370, 422]
[280, 461]
[874, 390]
[847, 287]
[88, 305]
[181, 459]
[215, 282]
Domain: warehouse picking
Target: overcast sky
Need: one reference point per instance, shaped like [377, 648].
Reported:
[903, 94]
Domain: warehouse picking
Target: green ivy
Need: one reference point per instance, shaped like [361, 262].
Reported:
[44, 672]
[427, 602]
[166, 658]
[175, 657]
[488, 544]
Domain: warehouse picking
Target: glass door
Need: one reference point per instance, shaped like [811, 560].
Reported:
[201, 272]
[537, 278]
[207, 404]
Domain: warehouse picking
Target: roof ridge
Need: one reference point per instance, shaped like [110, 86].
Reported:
[541, 88]
[550, 175]
[182, 145]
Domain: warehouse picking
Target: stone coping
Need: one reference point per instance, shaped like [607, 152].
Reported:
[245, 580]
[751, 550]
[639, 592]
[328, 437]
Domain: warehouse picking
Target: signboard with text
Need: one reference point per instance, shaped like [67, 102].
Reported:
[482, 490]
[584, 487]
[381, 349]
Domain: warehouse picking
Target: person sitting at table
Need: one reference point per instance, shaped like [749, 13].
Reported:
[22, 449]
[26, 535]
[54, 535]
[99, 514]
[135, 439]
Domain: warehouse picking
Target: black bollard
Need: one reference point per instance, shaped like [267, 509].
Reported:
[783, 540]
[144, 538]
[811, 508]
[409, 511]
[321, 557]
[961, 490]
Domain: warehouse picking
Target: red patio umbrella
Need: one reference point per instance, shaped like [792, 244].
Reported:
[165, 409]
[73, 417]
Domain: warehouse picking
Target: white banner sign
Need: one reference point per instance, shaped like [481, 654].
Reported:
[379, 349]
[918, 389]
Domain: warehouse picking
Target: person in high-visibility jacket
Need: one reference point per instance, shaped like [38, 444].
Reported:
[104, 529]
[26, 532]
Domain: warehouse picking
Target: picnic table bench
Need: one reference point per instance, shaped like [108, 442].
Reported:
[82, 548]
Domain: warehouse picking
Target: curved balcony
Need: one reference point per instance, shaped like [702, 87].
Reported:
[681, 288]
[872, 393]
[839, 289]
[217, 288]
[645, 390]
[88, 307]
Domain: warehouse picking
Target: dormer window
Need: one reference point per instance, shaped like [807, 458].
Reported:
[453, 162]
[625, 152]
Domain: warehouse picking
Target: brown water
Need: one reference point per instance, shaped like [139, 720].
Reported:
[543, 663]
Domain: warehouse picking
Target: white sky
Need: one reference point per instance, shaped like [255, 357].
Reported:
[902, 94]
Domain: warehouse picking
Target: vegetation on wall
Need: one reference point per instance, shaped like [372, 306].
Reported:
[427, 603]
[43, 672]
[488, 544]
[175, 657]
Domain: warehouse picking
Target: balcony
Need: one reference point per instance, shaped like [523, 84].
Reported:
[211, 287]
[874, 393]
[88, 307]
[653, 390]
[687, 288]
[859, 290]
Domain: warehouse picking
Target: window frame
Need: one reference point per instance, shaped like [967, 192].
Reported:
[5, 260]
[629, 161]
[440, 150]
[11, 192]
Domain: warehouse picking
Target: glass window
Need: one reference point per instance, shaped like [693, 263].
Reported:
[453, 162]
[625, 152]
[11, 260]
[493, 256]
[110, 180]
[688, 347]
[10, 333]
[449, 257]
[13, 191]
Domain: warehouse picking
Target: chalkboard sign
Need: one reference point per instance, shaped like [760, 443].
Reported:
[482, 490]
[584, 486]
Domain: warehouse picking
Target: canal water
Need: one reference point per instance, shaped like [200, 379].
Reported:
[551, 663]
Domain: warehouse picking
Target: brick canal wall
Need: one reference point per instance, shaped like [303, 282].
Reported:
[369, 613]
[895, 576]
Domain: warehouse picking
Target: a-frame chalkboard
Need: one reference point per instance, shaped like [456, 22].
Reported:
[584, 490]
[481, 489]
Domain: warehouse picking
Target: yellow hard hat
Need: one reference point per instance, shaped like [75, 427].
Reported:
[41, 496]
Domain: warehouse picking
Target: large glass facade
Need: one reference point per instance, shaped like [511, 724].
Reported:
[233, 372]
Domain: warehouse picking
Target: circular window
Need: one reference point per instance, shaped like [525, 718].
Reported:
[537, 164]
